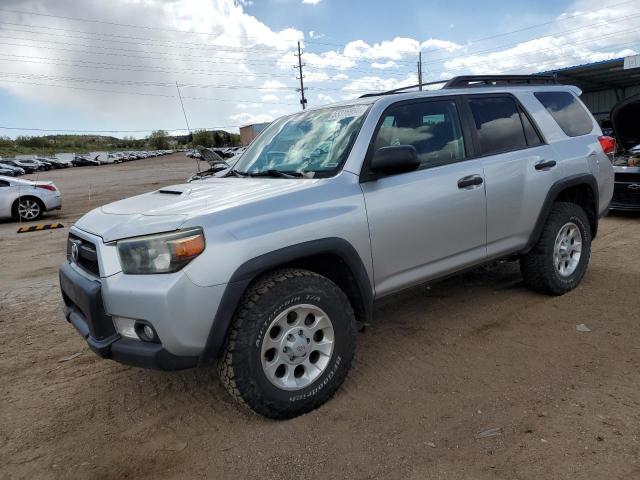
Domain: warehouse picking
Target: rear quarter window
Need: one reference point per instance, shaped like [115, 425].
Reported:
[565, 109]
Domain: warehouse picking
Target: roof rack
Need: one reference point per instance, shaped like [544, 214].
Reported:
[401, 89]
[470, 81]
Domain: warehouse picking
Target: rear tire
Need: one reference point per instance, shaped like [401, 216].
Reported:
[559, 260]
[290, 345]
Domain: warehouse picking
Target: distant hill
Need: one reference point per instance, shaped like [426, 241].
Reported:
[50, 144]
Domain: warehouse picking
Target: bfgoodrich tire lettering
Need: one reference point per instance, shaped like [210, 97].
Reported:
[539, 266]
[241, 363]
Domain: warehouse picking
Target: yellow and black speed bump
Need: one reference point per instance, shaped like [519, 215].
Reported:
[40, 227]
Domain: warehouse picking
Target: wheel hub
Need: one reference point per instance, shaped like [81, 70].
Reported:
[567, 250]
[297, 347]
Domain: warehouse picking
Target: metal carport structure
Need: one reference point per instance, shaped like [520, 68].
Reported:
[603, 83]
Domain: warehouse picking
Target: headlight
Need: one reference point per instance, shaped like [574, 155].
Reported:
[162, 253]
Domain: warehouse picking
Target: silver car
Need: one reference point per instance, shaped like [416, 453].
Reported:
[27, 200]
[269, 271]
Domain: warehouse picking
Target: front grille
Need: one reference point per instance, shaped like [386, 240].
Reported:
[622, 194]
[87, 257]
[628, 177]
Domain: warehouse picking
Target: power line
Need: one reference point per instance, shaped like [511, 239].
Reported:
[551, 49]
[138, 83]
[134, 56]
[150, 69]
[143, 94]
[158, 43]
[551, 35]
[128, 25]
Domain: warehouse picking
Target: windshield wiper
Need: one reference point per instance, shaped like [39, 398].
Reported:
[277, 174]
[236, 173]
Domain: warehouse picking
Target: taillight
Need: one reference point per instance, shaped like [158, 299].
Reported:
[47, 187]
[608, 144]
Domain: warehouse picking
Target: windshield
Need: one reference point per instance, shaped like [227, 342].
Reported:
[314, 143]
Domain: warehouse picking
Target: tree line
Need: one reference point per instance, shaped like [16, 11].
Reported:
[157, 140]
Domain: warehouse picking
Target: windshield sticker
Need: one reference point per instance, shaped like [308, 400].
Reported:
[353, 111]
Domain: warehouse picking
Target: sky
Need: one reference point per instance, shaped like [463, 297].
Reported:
[74, 66]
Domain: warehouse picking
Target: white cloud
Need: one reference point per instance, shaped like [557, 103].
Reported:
[589, 33]
[325, 98]
[316, 35]
[311, 2]
[378, 84]
[437, 44]
[273, 85]
[270, 98]
[384, 66]
[250, 118]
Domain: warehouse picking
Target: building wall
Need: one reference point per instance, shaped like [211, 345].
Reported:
[601, 103]
[249, 132]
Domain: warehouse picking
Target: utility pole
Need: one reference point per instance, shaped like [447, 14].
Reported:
[303, 101]
[420, 70]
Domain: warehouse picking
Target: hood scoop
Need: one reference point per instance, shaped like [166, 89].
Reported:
[173, 191]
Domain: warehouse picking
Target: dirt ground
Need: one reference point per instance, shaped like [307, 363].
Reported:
[471, 378]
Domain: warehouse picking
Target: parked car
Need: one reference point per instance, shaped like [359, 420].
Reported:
[55, 162]
[6, 171]
[83, 161]
[27, 200]
[217, 169]
[626, 163]
[15, 171]
[268, 271]
[29, 166]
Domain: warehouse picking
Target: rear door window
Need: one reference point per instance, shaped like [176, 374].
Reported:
[533, 139]
[498, 124]
[565, 109]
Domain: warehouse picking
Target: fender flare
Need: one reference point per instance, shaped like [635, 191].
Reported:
[251, 269]
[555, 190]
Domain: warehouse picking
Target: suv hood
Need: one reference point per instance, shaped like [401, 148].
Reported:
[170, 207]
[624, 120]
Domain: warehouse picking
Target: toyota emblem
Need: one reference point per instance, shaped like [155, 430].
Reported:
[634, 186]
[74, 251]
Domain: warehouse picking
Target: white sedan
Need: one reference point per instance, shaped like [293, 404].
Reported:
[26, 199]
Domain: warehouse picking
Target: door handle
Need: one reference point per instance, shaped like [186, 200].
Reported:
[470, 181]
[545, 165]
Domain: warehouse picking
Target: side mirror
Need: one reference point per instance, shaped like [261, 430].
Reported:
[395, 159]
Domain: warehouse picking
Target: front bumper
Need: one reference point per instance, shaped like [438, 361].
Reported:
[84, 309]
[626, 190]
[626, 197]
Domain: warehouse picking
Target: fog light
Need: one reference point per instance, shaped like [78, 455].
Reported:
[145, 332]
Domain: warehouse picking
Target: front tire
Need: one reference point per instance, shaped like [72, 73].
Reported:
[290, 345]
[559, 260]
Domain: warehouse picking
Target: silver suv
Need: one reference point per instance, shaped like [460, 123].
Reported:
[269, 271]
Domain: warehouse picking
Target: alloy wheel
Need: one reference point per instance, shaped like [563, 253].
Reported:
[297, 347]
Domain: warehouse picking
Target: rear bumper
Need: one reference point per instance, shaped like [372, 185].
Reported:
[85, 311]
[52, 202]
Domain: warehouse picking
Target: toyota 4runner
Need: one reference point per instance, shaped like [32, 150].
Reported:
[268, 271]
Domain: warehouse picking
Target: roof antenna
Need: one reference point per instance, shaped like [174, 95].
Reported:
[187, 122]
